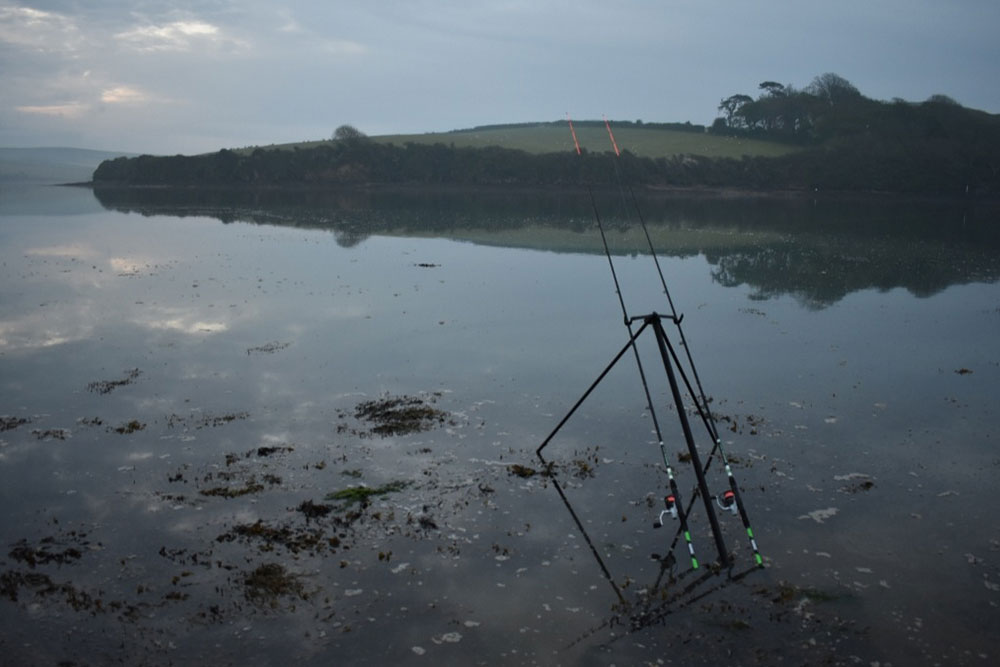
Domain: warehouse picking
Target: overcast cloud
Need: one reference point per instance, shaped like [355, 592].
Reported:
[188, 77]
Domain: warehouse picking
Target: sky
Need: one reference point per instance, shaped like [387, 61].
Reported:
[192, 77]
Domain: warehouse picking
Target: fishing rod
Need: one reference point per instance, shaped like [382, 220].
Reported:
[672, 501]
[731, 500]
[674, 506]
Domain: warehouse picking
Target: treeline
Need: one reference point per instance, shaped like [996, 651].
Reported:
[359, 162]
[831, 110]
[858, 143]
[930, 168]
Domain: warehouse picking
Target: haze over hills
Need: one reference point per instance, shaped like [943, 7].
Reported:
[49, 165]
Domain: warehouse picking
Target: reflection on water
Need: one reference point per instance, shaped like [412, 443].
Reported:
[818, 250]
[189, 473]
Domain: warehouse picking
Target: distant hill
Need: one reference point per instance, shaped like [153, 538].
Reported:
[51, 165]
[825, 137]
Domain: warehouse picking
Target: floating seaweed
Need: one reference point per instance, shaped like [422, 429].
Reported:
[107, 386]
[129, 427]
[294, 540]
[251, 486]
[269, 451]
[267, 348]
[363, 494]
[49, 550]
[313, 510]
[271, 581]
[400, 415]
[205, 421]
[12, 581]
[51, 433]
[8, 423]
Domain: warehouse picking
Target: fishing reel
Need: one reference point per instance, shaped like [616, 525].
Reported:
[671, 504]
[727, 502]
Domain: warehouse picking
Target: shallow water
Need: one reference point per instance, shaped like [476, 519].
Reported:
[167, 381]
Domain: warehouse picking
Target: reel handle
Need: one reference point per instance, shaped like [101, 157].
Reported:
[727, 502]
[671, 504]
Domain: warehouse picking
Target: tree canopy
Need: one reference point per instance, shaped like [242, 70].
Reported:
[348, 133]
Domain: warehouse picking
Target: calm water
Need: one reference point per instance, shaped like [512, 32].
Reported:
[177, 378]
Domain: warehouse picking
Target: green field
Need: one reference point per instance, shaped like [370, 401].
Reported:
[546, 138]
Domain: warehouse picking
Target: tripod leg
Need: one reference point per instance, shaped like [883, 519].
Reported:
[600, 377]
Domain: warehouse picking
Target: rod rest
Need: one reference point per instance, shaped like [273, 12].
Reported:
[648, 319]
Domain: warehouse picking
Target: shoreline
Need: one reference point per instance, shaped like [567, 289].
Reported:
[708, 192]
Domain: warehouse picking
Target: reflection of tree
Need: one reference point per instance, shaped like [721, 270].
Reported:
[820, 270]
[815, 280]
[348, 238]
[815, 250]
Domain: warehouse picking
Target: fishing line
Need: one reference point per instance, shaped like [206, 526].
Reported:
[673, 500]
[731, 500]
[674, 506]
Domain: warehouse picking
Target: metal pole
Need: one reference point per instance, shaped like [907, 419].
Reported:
[630, 343]
[662, 342]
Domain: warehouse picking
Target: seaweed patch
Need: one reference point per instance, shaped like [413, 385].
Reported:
[129, 427]
[363, 494]
[271, 581]
[250, 487]
[283, 536]
[205, 421]
[8, 423]
[267, 348]
[108, 386]
[400, 415]
[51, 433]
[60, 550]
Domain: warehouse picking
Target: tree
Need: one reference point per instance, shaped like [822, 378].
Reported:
[731, 107]
[772, 88]
[833, 89]
[348, 133]
[943, 99]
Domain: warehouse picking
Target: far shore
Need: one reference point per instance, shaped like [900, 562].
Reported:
[713, 192]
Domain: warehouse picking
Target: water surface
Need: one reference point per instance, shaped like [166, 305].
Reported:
[179, 376]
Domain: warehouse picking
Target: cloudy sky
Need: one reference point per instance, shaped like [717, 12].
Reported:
[188, 77]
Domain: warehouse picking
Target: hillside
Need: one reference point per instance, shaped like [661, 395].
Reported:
[826, 137]
[652, 140]
[50, 165]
